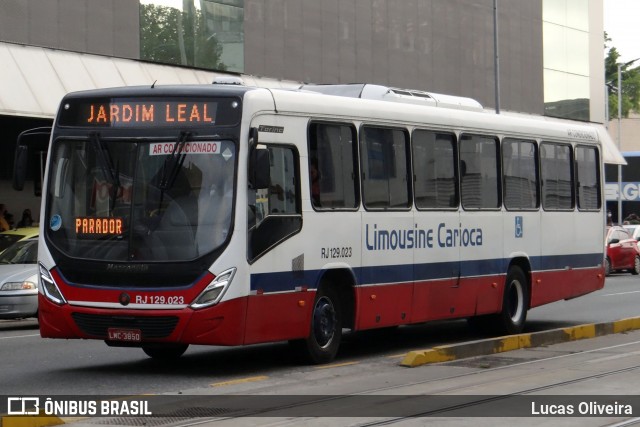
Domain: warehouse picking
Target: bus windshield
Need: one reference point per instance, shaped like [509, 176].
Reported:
[127, 200]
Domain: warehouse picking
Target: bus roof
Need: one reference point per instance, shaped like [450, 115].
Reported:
[370, 103]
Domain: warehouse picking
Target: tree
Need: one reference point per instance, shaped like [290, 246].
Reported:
[173, 36]
[630, 82]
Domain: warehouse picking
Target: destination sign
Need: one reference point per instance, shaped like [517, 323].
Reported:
[88, 226]
[149, 112]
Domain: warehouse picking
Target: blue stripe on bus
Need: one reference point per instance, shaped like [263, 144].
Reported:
[284, 281]
[559, 262]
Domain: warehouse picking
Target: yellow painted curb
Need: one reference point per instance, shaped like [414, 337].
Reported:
[40, 420]
[581, 332]
[515, 342]
[625, 325]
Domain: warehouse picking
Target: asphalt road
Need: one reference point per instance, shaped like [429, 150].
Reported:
[31, 365]
[583, 379]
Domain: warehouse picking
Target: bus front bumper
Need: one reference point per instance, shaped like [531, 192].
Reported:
[221, 324]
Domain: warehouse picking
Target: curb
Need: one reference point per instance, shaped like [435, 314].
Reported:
[40, 420]
[446, 353]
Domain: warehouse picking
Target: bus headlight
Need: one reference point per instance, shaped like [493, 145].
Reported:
[49, 287]
[214, 291]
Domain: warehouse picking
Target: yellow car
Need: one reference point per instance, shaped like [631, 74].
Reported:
[8, 238]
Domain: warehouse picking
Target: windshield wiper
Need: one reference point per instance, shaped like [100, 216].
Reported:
[104, 161]
[174, 162]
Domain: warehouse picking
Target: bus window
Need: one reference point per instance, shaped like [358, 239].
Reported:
[555, 168]
[385, 168]
[520, 174]
[479, 172]
[434, 165]
[588, 178]
[332, 166]
[275, 212]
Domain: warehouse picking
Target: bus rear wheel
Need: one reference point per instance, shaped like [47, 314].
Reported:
[514, 303]
[321, 346]
[514, 308]
[169, 352]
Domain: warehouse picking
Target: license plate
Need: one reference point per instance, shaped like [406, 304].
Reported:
[132, 335]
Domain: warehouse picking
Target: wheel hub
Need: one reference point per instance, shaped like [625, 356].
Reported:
[324, 321]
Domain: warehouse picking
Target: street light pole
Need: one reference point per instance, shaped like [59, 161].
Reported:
[496, 56]
[619, 143]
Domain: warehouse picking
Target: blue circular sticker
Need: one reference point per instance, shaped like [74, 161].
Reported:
[55, 223]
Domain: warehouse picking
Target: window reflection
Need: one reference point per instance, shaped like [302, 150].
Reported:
[566, 58]
[198, 33]
[566, 95]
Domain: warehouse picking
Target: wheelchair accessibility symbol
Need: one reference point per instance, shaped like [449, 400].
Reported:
[519, 227]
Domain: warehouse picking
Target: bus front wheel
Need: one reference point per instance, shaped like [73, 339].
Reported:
[166, 352]
[321, 346]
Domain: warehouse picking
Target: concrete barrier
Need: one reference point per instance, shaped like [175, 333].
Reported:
[487, 346]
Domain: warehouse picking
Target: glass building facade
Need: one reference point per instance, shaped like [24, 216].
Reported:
[550, 51]
[195, 33]
[566, 58]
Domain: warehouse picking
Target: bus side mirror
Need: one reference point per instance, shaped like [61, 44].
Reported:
[34, 140]
[259, 169]
[20, 164]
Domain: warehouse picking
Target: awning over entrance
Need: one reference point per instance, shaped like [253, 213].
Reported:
[610, 152]
[33, 80]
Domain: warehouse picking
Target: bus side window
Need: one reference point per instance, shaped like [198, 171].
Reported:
[557, 179]
[332, 166]
[587, 178]
[479, 183]
[520, 174]
[434, 160]
[386, 183]
[275, 213]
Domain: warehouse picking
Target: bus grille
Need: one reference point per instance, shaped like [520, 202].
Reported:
[151, 327]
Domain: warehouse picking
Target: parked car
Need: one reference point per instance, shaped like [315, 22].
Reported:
[634, 230]
[19, 280]
[622, 251]
[8, 238]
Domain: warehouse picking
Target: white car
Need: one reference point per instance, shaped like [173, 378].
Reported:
[19, 280]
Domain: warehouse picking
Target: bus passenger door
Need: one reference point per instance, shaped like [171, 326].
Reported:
[436, 200]
[277, 307]
[479, 235]
[384, 296]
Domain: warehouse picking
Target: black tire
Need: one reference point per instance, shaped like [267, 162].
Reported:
[325, 334]
[515, 303]
[514, 308]
[607, 267]
[636, 266]
[169, 352]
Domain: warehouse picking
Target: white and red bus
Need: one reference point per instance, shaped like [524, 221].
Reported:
[233, 215]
